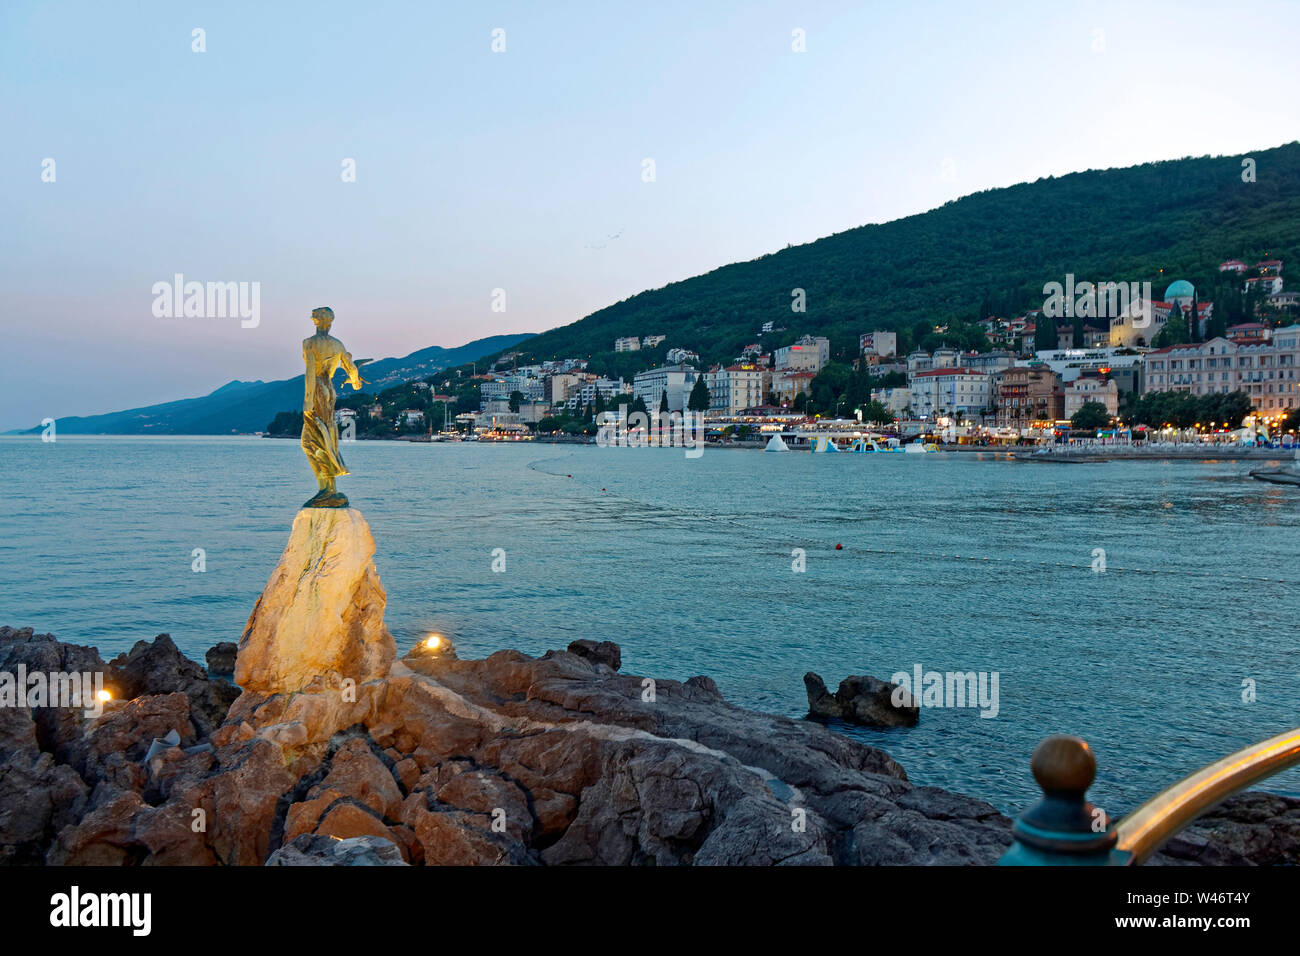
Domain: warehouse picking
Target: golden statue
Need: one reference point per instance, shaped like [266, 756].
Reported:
[323, 355]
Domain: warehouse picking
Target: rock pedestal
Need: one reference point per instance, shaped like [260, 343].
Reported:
[322, 612]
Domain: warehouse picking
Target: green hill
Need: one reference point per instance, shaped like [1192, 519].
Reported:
[989, 252]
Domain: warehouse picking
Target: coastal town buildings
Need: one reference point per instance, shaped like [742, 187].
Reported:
[1249, 332]
[736, 387]
[788, 383]
[1137, 325]
[627, 344]
[560, 385]
[809, 353]
[501, 387]
[990, 363]
[585, 393]
[878, 345]
[499, 412]
[1122, 365]
[675, 380]
[1027, 395]
[1265, 369]
[1092, 336]
[1264, 285]
[1090, 387]
[895, 400]
[940, 392]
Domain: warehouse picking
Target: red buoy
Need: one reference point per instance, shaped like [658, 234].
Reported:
[839, 547]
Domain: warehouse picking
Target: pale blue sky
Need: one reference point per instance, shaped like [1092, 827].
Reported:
[478, 170]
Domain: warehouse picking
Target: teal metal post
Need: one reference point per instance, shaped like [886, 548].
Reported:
[1064, 829]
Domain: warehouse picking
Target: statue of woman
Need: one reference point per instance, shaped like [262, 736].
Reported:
[323, 354]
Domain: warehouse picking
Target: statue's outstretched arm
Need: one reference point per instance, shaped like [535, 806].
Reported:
[354, 376]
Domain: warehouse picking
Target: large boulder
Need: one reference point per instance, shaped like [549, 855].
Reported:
[158, 667]
[861, 699]
[221, 658]
[599, 652]
[322, 612]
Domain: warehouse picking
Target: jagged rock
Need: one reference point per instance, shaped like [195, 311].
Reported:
[311, 850]
[347, 820]
[42, 652]
[105, 835]
[221, 658]
[508, 760]
[861, 700]
[322, 612]
[158, 667]
[600, 652]
[56, 728]
[357, 773]
[306, 814]
[702, 686]
[1248, 829]
[38, 797]
[114, 744]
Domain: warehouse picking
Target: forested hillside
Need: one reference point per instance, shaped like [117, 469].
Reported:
[988, 253]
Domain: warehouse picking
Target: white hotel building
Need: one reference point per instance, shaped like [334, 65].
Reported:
[676, 380]
[940, 392]
[1265, 369]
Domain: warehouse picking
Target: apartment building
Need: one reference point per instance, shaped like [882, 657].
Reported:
[1091, 387]
[945, 392]
[736, 387]
[895, 400]
[1026, 395]
[807, 354]
[1265, 369]
[532, 388]
[878, 344]
[674, 380]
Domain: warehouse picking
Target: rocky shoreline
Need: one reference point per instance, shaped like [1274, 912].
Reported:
[554, 760]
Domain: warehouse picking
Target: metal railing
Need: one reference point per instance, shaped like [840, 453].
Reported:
[1064, 829]
[1150, 826]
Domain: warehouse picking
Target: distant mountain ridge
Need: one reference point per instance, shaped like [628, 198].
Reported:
[245, 407]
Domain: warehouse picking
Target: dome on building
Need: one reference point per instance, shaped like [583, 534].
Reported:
[1179, 289]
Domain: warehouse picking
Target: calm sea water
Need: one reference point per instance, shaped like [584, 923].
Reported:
[687, 564]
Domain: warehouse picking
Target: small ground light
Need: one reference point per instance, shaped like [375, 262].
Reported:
[432, 645]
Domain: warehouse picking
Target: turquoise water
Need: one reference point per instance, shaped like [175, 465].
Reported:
[687, 564]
